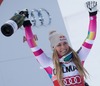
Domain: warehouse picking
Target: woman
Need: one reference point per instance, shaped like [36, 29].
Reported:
[66, 66]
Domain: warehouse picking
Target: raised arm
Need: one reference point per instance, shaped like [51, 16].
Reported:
[88, 43]
[39, 54]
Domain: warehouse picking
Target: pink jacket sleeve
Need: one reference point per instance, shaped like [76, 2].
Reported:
[38, 52]
[88, 43]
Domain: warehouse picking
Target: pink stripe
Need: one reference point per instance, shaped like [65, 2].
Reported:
[37, 53]
[87, 45]
[48, 70]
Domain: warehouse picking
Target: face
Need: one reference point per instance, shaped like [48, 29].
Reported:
[62, 48]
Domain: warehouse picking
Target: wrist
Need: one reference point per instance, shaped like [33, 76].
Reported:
[92, 13]
[27, 23]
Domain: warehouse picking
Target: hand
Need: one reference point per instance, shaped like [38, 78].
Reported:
[91, 6]
[24, 12]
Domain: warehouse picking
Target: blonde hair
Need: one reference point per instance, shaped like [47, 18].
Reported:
[82, 71]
